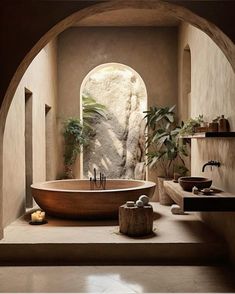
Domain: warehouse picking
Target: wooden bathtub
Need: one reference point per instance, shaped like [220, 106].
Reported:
[74, 199]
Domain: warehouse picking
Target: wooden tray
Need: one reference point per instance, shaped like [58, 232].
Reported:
[38, 223]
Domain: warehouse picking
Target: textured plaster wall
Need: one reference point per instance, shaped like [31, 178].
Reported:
[150, 51]
[212, 94]
[40, 79]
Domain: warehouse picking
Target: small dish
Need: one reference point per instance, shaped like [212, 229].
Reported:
[38, 223]
[207, 191]
[210, 191]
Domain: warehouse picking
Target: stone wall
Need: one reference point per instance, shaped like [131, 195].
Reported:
[117, 148]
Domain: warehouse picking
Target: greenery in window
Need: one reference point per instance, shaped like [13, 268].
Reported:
[77, 133]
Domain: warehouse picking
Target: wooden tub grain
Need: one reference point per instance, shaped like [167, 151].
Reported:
[73, 199]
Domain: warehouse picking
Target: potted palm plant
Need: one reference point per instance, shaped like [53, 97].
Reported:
[74, 139]
[77, 133]
[164, 148]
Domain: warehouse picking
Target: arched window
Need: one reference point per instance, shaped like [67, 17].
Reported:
[117, 147]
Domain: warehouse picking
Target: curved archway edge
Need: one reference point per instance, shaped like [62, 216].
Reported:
[181, 13]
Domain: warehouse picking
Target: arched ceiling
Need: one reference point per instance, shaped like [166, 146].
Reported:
[131, 17]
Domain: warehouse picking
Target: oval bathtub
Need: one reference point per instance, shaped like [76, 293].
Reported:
[74, 199]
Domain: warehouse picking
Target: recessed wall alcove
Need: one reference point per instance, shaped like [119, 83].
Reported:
[186, 84]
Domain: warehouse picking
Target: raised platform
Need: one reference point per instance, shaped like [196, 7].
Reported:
[177, 239]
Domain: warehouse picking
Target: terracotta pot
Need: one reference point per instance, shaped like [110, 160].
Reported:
[164, 198]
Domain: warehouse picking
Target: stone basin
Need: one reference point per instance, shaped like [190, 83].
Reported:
[187, 183]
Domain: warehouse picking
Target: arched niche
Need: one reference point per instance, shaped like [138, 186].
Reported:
[186, 84]
[117, 147]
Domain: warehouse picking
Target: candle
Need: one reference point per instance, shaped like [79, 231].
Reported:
[43, 214]
[38, 216]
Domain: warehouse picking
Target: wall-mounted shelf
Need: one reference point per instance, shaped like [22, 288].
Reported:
[210, 135]
[189, 202]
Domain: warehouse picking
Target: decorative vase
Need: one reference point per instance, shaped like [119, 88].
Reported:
[223, 124]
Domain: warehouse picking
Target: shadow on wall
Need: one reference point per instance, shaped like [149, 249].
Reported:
[126, 149]
[117, 148]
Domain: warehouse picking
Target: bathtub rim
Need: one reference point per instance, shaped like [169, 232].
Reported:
[39, 186]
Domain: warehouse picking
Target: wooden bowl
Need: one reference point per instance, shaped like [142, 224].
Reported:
[187, 183]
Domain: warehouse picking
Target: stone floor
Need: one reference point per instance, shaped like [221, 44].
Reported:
[177, 239]
[117, 279]
[168, 228]
[186, 255]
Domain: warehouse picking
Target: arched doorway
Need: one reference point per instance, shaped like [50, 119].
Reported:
[117, 146]
[177, 11]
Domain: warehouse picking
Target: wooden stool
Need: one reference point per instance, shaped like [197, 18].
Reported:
[135, 221]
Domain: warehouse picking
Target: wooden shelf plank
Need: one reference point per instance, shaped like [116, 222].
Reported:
[210, 135]
[189, 202]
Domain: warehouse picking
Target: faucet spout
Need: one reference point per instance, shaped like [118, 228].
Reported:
[95, 174]
[211, 163]
[98, 182]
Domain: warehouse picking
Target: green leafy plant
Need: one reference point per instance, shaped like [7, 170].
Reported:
[159, 118]
[78, 133]
[74, 138]
[164, 146]
[91, 111]
[189, 127]
[181, 170]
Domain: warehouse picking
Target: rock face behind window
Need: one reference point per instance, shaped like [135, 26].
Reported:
[117, 148]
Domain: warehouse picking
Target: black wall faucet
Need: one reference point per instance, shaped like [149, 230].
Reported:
[211, 163]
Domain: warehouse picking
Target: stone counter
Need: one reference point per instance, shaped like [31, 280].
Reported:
[188, 201]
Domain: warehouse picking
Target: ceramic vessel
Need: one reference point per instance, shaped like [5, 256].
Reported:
[187, 183]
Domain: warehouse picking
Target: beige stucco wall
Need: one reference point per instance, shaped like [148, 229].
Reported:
[212, 94]
[151, 51]
[41, 79]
